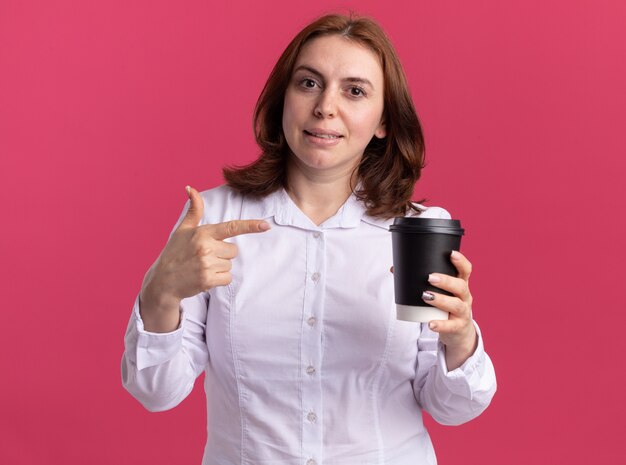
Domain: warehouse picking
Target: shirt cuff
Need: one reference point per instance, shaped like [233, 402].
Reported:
[152, 349]
[461, 379]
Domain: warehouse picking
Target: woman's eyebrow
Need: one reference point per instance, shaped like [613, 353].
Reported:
[358, 80]
[309, 69]
[353, 80]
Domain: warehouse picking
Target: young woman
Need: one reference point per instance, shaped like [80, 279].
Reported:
[278, 283]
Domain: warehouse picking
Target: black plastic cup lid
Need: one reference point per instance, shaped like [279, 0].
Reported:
[415, 225]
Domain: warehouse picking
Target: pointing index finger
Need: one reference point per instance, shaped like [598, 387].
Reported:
[234, 228]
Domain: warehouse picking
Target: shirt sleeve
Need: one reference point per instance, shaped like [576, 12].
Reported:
[457, 396]
[159, 369]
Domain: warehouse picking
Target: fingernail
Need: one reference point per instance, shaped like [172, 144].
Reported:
[429, 296]
[264, 226]
[455, 255]
[433, 279]
[432, 325]
[188, 189]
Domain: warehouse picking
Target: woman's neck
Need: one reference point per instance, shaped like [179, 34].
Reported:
[318, 195]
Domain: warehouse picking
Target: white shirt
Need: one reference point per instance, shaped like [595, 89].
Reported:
[306, 363]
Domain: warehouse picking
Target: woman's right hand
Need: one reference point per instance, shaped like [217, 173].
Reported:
[195, 259]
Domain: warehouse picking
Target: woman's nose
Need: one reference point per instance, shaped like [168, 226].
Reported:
[326, 106]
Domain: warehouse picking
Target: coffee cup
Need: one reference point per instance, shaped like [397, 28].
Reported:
[421, 246]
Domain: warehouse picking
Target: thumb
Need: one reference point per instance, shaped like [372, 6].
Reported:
[195, 212]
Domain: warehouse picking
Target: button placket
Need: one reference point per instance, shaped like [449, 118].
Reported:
[311, 353]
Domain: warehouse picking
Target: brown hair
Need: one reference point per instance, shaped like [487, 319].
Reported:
[389, 168]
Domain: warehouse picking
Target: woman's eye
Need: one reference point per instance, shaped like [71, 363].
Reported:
[308, 83]
[356, 92]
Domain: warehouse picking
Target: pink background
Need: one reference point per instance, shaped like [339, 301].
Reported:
[108, 109]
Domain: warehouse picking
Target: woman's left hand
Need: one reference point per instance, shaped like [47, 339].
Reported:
[457, 333]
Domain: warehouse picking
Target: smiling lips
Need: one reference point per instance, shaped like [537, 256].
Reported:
[322, 136]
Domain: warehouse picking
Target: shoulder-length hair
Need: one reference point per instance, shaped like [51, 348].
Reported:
[390, 166]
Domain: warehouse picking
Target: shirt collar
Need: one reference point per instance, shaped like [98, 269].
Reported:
[285, 212]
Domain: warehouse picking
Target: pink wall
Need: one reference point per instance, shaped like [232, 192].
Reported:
[108, 109]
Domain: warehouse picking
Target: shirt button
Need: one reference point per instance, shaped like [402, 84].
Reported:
[315, 276]
[311, 417]
[311, 462]
[311, 321]
[316, 235]
[310, 370]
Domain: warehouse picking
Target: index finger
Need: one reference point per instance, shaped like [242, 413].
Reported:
[462, 264]
[234, 228]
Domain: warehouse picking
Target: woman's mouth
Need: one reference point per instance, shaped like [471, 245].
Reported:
[329, 136]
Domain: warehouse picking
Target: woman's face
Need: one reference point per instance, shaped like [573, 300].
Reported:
[333, 105]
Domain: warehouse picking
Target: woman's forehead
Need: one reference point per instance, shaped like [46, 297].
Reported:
[334, 54]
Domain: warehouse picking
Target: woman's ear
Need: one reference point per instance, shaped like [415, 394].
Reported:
[381, 130]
